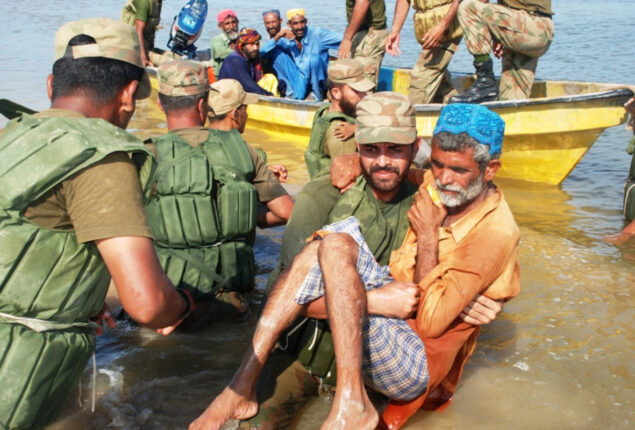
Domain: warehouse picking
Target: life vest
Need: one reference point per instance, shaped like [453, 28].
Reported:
[429, 13]
[50, 285]
[312, 344]
[629, 193]
[128, 14]
[314, 157]
[204, 212]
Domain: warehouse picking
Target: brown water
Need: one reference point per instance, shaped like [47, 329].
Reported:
[561, 354]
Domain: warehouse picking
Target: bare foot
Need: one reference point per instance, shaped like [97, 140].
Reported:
[225, 406]
[351, 414]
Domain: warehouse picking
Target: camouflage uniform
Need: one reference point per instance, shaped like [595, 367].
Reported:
[286, 385]
[525, 33]
[429, 78]
[370, 40]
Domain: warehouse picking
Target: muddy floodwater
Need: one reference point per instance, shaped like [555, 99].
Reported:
[560, 356]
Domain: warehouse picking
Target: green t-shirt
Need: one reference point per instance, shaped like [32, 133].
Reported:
[220, 49]
[375, 17]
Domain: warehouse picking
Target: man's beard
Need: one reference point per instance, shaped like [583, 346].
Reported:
[383, 185]
[232, 35]
[347, 107]
[253, 56]
[464, 195]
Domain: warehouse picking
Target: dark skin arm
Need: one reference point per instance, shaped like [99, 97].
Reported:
[357, 18]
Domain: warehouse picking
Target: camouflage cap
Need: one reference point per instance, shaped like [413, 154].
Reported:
[113, 39]
[350, 72]
[183, 78]
[226, 95]
[385, 117]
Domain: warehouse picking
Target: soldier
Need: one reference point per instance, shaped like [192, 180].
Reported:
[334, 123]
[144, 16]
[72, 217]
[365, 36]
[439, 34]
[212, 191]
[520, 31]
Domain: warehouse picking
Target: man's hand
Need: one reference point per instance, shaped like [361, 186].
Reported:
[630, 106]
[345, 49]
[279, 171]
[433, 37]
[394, 300]
[424, 215]
[344, 131]
[481, 310]
[169, 329]
[345, 170]
[392, 44]
[498, 49]
[103, 317]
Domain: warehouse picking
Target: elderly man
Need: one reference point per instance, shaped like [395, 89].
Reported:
[225, 43]
[520, 31]
[353, 286]
[234, 191]
[144, 16]
[308, 49]
[365, 36]
[244, 63]
[334, 123]
[438, 32]
[72, 217]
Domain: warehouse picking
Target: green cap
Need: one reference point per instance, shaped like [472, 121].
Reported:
[226, 95]
[183, 78]
[350, 72]
[385, 117]
[113, 39]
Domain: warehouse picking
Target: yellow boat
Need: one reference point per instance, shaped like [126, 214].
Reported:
[545, 136]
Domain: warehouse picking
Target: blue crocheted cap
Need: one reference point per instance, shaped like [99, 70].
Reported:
[484, 125]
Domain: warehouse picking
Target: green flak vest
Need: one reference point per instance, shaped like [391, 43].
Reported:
[429, 13]
[50, 285]
[204, 213]
[128, 15]
[311, 341]
[316, 160]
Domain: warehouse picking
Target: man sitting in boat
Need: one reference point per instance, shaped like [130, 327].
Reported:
[273, 58]
[212, 190]
[520, 31]
[244, 63]
[308, 49]
[144, 16]
[71, 218]
[438, 32]
[333, 129]
[338, 278]
[225, 43]
[365, 35]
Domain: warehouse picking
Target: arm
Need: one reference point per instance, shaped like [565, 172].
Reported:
[329, 39]
[357, 17]
[401, 12]
[145, 291]
[345, 170]
[275, 212]
[139, 26]
[432, 38]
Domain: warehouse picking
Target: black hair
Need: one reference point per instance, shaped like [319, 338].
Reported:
[98, 78]
[175, 103]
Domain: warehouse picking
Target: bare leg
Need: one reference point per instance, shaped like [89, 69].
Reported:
[346, 309]
[238, 400]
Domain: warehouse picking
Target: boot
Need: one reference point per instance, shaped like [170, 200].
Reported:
[483, 89]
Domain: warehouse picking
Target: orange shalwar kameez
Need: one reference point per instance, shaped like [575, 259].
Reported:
[477, 254]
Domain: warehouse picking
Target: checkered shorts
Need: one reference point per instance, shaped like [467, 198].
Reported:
[394, 361]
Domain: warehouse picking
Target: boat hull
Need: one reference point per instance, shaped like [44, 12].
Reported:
[545, 136]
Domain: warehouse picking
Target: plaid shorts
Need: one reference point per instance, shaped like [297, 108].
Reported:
[394, 361]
